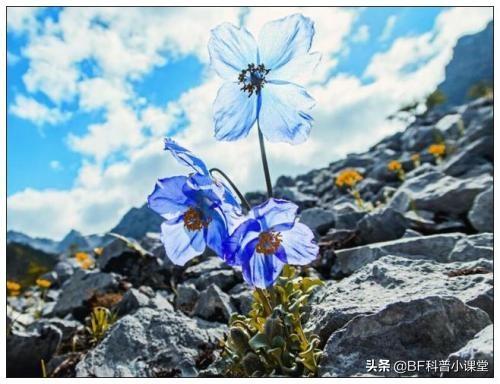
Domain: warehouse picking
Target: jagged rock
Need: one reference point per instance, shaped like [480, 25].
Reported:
[481, 213]
[284, 181]
[212, 271]
[318, 219]
[64, 271]
[411, 233]
[417, 138]
[421, 329]
[479, 349]
[303, 200]
[435, 247]
[186, 297]
[25, 350]
[473, 247]
[150, 343]
[134, 299]
[129, 259]
[394, 278]
[381, 225]
[214, 305]
[471, 156]
[433, 191]
[78, 289]
[241, 298]
[347, 214]
[66, 326]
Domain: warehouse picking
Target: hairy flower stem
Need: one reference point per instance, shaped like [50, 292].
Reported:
[265, 301]
[233, 186]
[264, 162]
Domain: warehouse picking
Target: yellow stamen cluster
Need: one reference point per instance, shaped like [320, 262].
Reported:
[268, 243]
[394, 166]
[43, 283]
[193, 220]
[438, 150]
[13, 288]
[84, 260]
[348, 178]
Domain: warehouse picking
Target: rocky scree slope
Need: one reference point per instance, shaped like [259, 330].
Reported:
[409, 279]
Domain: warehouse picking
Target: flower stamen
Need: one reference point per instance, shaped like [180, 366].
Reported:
[253, 78]
[269, 243]
[193, 220]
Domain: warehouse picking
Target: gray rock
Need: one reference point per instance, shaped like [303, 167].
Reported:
[347, 214]
[150, 343]
[479, 349]
[212, 271]
[381, 225]
[318, 219]
[434, 191]
[393, 278]
[25, 350]
[473, 247]
[303, 200]
[77, 290]
[472, 155]
[64, 271]
[421, 329]
[214, 305]
[134, 299]
[434, 247]
[481, 213]
[66, 326]
[186, 297]
[417, 138]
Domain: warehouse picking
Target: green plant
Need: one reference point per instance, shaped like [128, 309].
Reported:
[101, 320]
[270, 340]
[481, 89]
[434, 99]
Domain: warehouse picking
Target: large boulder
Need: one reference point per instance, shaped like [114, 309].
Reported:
[151, 343]
[394, 278]
[424, 329]
[440, 247]
[481, 213]
[471, 156]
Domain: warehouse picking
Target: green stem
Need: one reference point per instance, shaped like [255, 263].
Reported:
[233, 186]
[267, 175]
[265, 302]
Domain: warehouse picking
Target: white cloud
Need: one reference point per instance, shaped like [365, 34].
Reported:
[350, 115]
[388, 28]
[39, 114]
[55, 165]
[362, 34]
[12, 58]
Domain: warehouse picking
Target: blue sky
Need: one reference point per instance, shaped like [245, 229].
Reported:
[91, 92]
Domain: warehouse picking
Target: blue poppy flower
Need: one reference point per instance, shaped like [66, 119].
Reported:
[268, 239]
[259, 79]
[198, 210]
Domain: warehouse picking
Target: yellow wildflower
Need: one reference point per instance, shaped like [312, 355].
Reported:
[98, 251]
[438, 150]
[43, 283]
[348, 178]
[84, 260]
[13, 288]
[394, 166]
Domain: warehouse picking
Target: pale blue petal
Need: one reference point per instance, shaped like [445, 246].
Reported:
[299, 245]
[231, 49]
[235, 245]
[216, 234]
[282, 40]
[261, 270]
[275, 214]
[234, 112]
[185, 157]
[181, 245]
[297, 69]
[283, 115]
[168, 199]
